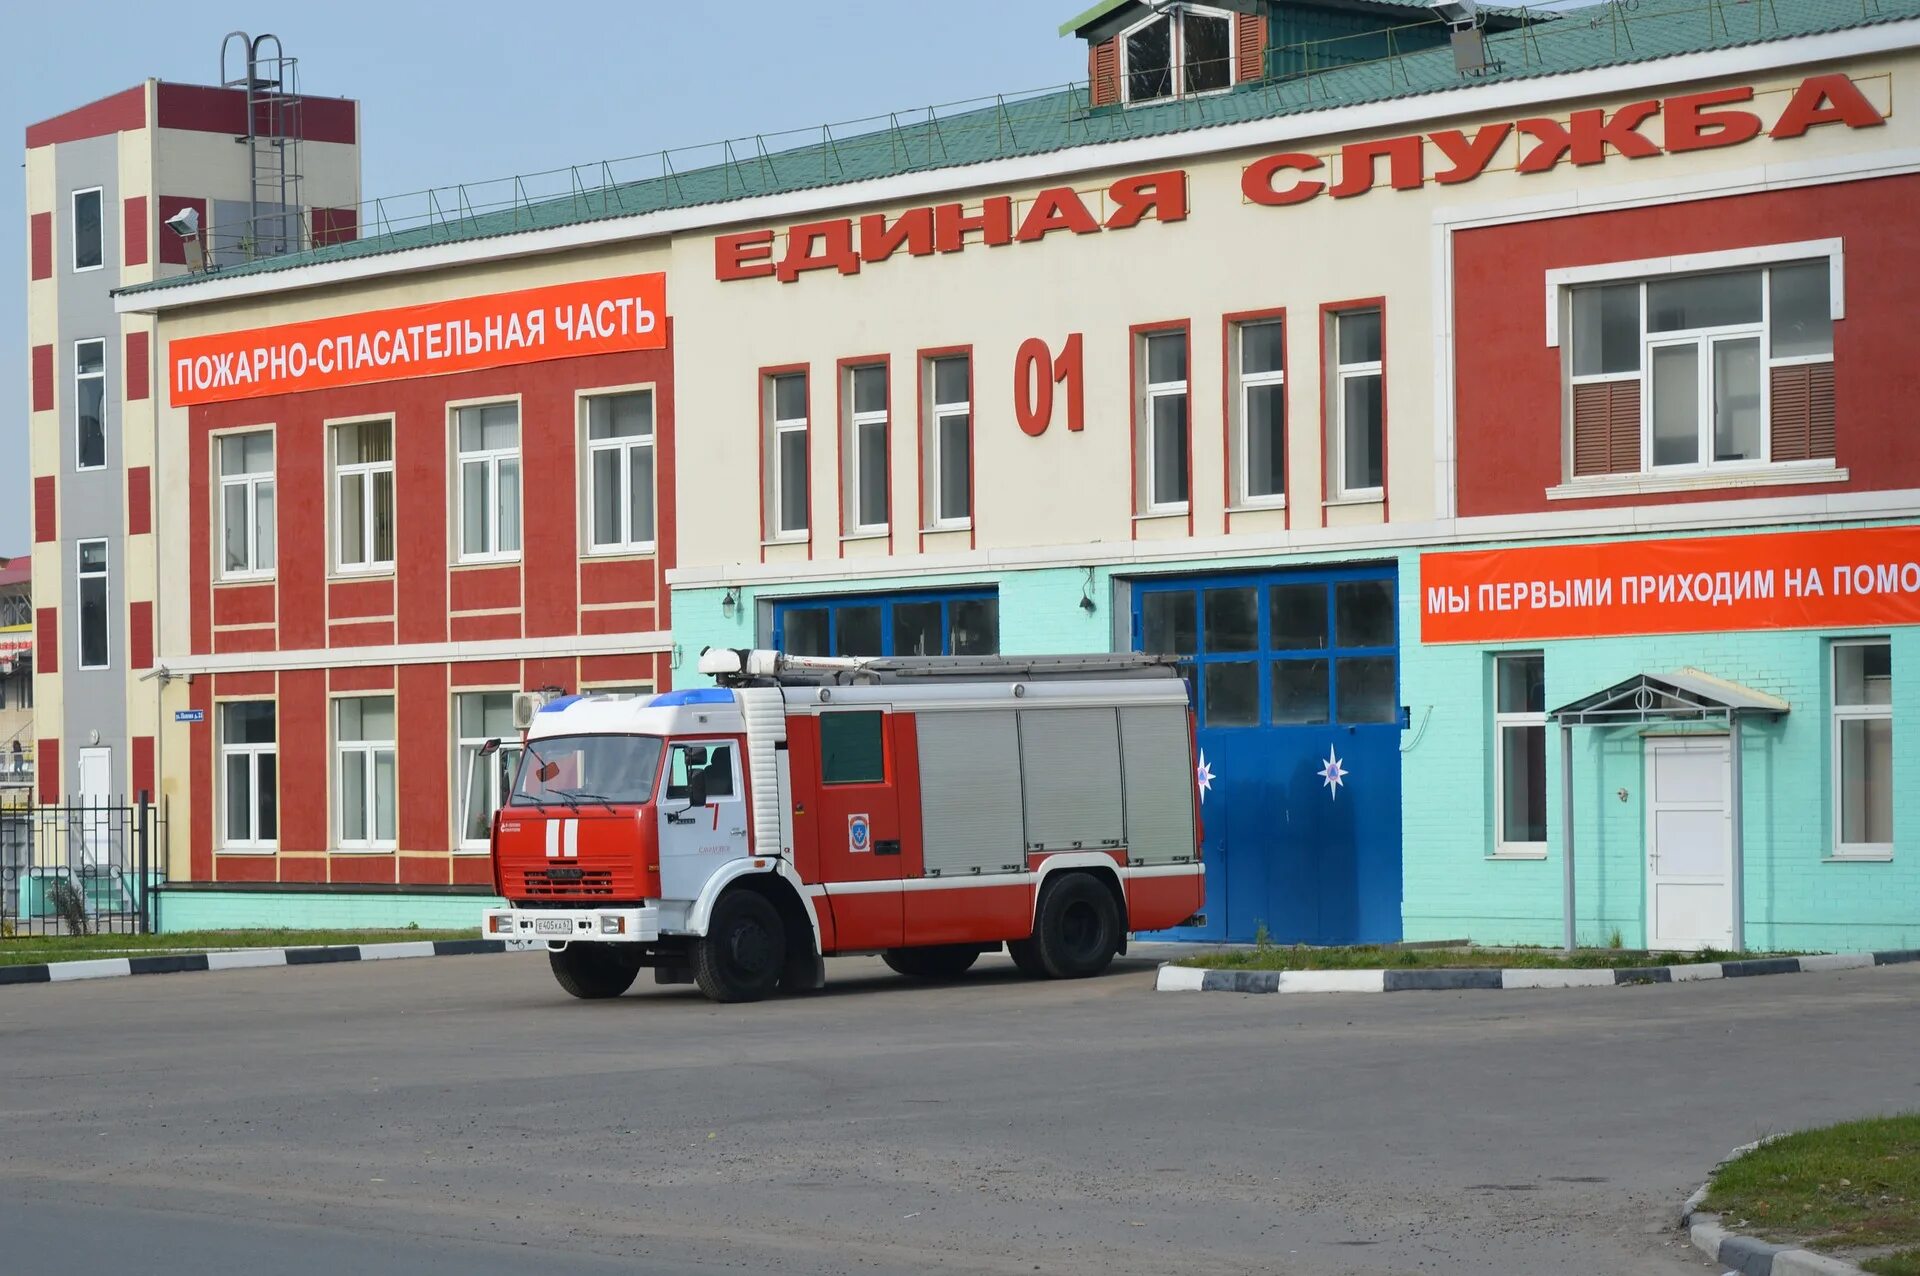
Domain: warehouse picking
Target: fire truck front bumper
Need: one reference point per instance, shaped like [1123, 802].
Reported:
[563, 925]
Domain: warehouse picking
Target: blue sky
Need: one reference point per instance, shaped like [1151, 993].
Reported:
[484, 89]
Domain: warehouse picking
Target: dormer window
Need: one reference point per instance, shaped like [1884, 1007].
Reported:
[1181, 50]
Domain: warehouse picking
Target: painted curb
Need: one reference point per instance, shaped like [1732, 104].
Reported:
[242, 959]
[1743, 1254]
[1200, 979]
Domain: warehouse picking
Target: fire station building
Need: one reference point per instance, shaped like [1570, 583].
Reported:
[1509, 420]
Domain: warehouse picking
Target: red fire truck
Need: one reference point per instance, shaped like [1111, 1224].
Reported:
[928, 809]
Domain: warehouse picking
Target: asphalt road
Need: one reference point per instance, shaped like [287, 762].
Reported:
[462, 1115]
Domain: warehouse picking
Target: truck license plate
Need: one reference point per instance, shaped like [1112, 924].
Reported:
[552, 926]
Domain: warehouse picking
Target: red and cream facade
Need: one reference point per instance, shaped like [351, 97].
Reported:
[1079, 399]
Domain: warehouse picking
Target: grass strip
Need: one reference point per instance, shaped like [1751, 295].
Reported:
[1852, 1189]
[1379, 957]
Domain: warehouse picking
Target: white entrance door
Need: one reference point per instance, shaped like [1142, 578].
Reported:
[1689, 843]
[96, 795]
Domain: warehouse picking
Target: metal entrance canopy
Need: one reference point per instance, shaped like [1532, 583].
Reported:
[1645, 700]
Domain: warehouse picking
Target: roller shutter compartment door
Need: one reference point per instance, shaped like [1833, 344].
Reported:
[1070, 764]
[1157, 767]
[970, 793]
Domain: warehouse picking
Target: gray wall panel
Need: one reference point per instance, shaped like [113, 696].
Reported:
[1157, 762]
[970, 792]
[1071, 762]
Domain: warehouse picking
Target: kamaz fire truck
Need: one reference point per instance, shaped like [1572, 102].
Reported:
[928, 809]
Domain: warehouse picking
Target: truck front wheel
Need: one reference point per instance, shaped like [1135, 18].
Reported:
[943, 961]
[593, 972]
[1078, 930]
[745, 949]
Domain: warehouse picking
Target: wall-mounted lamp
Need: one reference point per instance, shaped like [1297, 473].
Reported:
[1086, 595]
[730, 601]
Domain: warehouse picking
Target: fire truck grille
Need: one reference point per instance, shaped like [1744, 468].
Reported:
[578, 883]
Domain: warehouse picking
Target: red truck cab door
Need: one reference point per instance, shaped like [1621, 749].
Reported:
[847, 789]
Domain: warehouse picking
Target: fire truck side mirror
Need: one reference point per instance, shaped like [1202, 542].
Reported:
[697, 788]
[490, 748]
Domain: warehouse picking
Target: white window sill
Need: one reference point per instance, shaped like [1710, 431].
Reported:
[798, 538]
[1874, 856]
[93, 668]
[88, 469]
[507, 561]
[471, 850]
[1787, 472]
[365, 850]
[379, 571]
[88, 270]
[1162, 511]
[866, 534]
[260, 578]
[1373, 496]
[1255, 507]
[960, 525]
[248, 850]
[1514, 854]
[640, 549]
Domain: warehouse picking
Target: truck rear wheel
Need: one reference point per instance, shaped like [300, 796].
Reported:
[1078, 930]
[943, 961]
[745, 949]
[1026, 958]
[593, 972]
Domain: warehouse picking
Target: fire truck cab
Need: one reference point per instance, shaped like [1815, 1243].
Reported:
[927, 809]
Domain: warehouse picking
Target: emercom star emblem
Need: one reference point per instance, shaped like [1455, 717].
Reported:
[1333, 774]
[1203, 777]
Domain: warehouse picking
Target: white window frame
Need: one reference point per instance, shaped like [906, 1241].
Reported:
[781, 427]
[364, 471]
[859, 424]
[254, 845]
[73, 230]
[364, 754]
[252, 483]
[81, 576]
[940, 413]
[491, 459]
[1151, 392]
[1560, 286]
[101, 377]
[1246, 382]
[466, 749]
[1872, 851]
[1342, 373]
[1176, 53]
[622, 446]
[1503, 849]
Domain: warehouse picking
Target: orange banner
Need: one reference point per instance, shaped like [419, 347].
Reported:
[600, 316]
[1786, 580]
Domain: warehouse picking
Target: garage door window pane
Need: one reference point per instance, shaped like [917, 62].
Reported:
[1168, 624]
[916, 629]
[976, 627]
[1298, 617]
[1233, 619]
[858, 632]
[1366, 691]
[806, 632]
[1299, 692]
[1363, 613]
[1233, 694]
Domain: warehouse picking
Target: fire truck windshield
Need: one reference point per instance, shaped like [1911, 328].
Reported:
[570, 769]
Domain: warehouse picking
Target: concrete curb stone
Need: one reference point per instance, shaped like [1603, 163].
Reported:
[1174, 978]
[240, 959]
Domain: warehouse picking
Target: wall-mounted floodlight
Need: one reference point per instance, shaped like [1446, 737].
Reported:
[186, 224]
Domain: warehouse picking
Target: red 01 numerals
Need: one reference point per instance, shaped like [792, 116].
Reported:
[1036, 371]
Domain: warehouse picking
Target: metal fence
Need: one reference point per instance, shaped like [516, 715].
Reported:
[89, 867]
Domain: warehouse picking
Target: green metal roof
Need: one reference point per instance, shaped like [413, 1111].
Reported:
[1056, 120]
[1094, 14]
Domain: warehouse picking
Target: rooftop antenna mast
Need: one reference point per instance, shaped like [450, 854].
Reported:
[271, 79]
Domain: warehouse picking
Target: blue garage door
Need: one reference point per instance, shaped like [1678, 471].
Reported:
[1296, 687]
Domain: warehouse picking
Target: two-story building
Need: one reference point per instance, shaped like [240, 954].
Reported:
[1502, 417]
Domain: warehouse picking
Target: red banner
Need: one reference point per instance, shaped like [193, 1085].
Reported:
[1841, 579]
[599, 316]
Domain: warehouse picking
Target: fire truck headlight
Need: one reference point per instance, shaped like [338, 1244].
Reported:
[613, 925]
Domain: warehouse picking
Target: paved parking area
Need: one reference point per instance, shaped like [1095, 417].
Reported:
[462, 1115]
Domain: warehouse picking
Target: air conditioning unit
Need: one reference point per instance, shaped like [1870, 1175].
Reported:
[525, 705]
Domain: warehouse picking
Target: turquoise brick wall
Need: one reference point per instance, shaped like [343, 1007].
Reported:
[318, 910]
[1797, 896]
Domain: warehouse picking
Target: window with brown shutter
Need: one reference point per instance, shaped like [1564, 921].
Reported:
[1249, 47]
[1606, 428]
[1802, 412]
[1103, 71]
